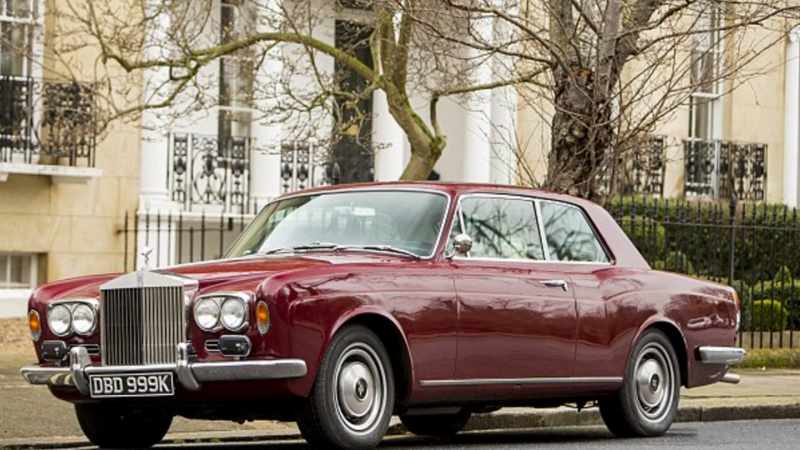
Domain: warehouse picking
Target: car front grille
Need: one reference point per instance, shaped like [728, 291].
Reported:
[141, 326]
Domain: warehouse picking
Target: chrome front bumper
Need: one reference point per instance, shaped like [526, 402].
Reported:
[721, 355]
[190, 374]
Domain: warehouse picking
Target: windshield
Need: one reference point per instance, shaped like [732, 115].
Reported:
[405, 220]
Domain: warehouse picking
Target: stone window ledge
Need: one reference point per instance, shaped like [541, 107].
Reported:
[60, 174]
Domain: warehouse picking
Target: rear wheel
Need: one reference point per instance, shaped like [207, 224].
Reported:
[352, 399]
[438, 424]
[647, 403]
[111, 426]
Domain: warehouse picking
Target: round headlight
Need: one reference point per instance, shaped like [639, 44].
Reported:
[83, 319]
[59, 319]
[206, 313]
[233, 314]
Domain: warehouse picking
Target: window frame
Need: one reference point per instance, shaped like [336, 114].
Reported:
[31, 269]
[439, 238]
[458, 218]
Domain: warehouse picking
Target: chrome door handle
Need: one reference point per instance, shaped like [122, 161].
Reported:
[556, 283]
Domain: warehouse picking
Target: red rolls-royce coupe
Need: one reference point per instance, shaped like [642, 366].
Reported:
[339, 307]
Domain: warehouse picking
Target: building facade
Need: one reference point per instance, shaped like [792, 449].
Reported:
[736, 135]
[75, 201]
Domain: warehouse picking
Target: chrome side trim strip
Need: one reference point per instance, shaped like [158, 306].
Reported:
[520, 381]
[721, 355]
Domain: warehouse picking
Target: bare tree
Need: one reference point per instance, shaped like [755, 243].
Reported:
[171, 45]
[602, 74]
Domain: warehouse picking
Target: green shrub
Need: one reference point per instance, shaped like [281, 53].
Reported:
[788, 293]
[647, 235]
[783, 275]
[766, 315]
[676, 262]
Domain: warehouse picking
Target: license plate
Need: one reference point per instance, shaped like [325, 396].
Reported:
[157, 384]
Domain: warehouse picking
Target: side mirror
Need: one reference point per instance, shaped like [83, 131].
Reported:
[462, 244]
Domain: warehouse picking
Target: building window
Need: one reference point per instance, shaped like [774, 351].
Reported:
[706, 112]
[702, 152]
[236, 73]
[17, 271]
[16, 36]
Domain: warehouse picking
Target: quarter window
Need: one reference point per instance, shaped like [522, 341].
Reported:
[569, 235]
[502, 228]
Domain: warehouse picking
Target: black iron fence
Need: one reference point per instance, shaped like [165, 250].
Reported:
[754, 248]
[47, 122]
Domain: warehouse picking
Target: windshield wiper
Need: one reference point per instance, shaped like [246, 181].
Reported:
[380, 248]
[303, 247]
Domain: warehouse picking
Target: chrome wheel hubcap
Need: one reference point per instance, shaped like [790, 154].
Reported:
[360, 388]
[654, 379]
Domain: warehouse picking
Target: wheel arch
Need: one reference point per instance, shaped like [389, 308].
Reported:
[678, 342]
[388, 331]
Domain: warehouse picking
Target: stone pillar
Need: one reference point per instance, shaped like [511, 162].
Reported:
[477, 156]
[791, 127]
[153, 190]
[388, 140]
[265, 156]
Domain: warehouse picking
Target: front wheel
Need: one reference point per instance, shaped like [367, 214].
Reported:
[352, 399]
[111, 426]
[647, 403]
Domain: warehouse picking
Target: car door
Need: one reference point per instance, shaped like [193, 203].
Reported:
[517, 315]
[574, 247]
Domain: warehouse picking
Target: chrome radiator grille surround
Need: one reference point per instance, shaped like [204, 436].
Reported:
[141, 325]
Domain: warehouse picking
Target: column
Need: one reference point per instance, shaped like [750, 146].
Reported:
[477, 156]
[504, 110]
[265, 155]
[388, 140]
[153, 190]
[791, 127]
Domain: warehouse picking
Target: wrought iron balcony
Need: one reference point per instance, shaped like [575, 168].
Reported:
[209, 172]
[47, 122]
[641, 171]
[721, 169]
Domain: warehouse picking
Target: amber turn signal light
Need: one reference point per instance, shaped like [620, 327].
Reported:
[35, 324]
[262, 317]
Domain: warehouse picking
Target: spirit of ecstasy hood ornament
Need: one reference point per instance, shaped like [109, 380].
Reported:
[146, 251]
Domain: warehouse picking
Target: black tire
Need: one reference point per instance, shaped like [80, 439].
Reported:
[352, 399]
[438, 424]
[647, 403]
[111, 426]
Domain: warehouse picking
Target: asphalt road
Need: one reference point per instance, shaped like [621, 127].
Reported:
[744, 435]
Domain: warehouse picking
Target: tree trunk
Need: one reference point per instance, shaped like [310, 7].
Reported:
[582, 135]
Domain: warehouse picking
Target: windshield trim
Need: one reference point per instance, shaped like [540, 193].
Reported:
[442, 226]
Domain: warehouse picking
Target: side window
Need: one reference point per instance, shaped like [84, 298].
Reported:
[569, 235]
[502, 228]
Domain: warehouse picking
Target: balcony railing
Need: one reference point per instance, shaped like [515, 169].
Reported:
[641, 171]
[303, 165]
[210, 173]
[721, 169]
[47, 122]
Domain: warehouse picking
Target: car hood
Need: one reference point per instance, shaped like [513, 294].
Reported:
[210, 273]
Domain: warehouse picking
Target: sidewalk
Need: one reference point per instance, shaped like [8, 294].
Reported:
[32, 418]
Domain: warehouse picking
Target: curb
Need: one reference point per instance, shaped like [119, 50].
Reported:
[516, 420]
